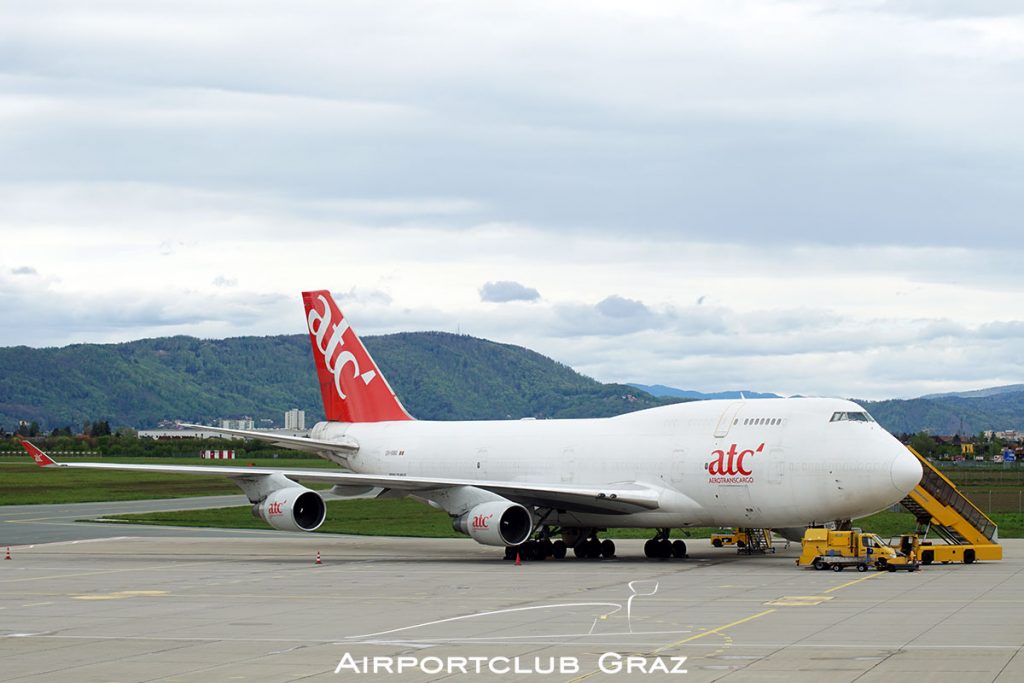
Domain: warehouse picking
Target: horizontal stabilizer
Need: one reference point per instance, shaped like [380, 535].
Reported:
[298, 443]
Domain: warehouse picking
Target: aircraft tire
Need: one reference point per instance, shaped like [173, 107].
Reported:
[678, 549]
[558, 550]
[545, 549]
[510, 552]
[664, 549]
[607, 548]
[651, 549]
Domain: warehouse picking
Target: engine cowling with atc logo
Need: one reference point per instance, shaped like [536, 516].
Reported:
[292, 509]
[498, 523]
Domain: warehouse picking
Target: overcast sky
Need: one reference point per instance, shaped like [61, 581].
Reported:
[799, 197]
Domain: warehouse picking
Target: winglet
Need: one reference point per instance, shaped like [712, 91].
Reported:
[42, 459]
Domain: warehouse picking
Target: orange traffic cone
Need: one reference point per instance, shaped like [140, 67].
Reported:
[518, 562]
[318, 557]
[8, 553]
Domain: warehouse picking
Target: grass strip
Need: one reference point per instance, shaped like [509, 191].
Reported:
[25, 483]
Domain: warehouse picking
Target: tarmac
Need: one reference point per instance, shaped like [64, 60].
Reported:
[220, 606]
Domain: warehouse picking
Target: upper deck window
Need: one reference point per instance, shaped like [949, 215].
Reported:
[851, 417]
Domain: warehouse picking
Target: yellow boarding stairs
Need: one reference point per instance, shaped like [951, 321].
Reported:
[758, 541]
[968, 533]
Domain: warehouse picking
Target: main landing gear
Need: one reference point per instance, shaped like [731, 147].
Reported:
[660, 547]
[584, 543]
[540, 549]
[593, 548]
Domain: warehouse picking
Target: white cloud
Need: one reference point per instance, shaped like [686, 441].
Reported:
[794, 196]
[503, 291]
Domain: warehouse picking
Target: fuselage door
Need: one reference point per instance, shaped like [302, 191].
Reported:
[725, 422]
[568, 465]
[481, 463]
[776, 466]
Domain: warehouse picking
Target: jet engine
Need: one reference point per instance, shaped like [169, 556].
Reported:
[292, 509]
[500, 523]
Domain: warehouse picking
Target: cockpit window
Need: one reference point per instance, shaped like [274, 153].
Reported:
[851, 417]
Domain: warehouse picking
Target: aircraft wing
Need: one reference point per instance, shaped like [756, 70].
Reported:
[297, 443]
[617, 498]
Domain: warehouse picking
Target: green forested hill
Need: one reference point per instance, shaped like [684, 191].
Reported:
[436, 375]
[950, 414]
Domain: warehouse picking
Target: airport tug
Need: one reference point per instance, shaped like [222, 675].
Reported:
[837, 550]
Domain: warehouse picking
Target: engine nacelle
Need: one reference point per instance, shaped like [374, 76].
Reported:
[292, 509]
[499, 523]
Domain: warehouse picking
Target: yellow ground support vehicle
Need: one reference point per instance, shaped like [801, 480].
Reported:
[837, 550]
[736, 537]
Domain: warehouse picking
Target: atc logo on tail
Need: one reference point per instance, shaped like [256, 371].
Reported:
[351, 385]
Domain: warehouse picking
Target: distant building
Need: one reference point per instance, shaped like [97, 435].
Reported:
[295, 419]
[217, 455]
[242, 423]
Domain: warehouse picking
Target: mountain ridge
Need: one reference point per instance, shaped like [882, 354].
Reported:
[437, 375]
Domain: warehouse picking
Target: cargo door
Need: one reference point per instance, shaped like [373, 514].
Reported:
[671, 470]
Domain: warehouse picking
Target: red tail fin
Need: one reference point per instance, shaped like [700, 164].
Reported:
[351, 385]
[42, 459]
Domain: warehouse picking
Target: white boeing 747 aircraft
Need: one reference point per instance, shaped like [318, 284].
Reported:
[766, 463]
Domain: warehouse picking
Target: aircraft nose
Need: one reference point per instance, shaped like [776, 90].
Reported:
[906, 471]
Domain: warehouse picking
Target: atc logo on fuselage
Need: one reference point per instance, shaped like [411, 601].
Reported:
[732, 466]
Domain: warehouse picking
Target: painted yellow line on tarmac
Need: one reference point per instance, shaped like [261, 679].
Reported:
[683, 641]
[850, 583]
[799, 600]
[785, 601]
[95, 573]
[714, 630]
[120, 595]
